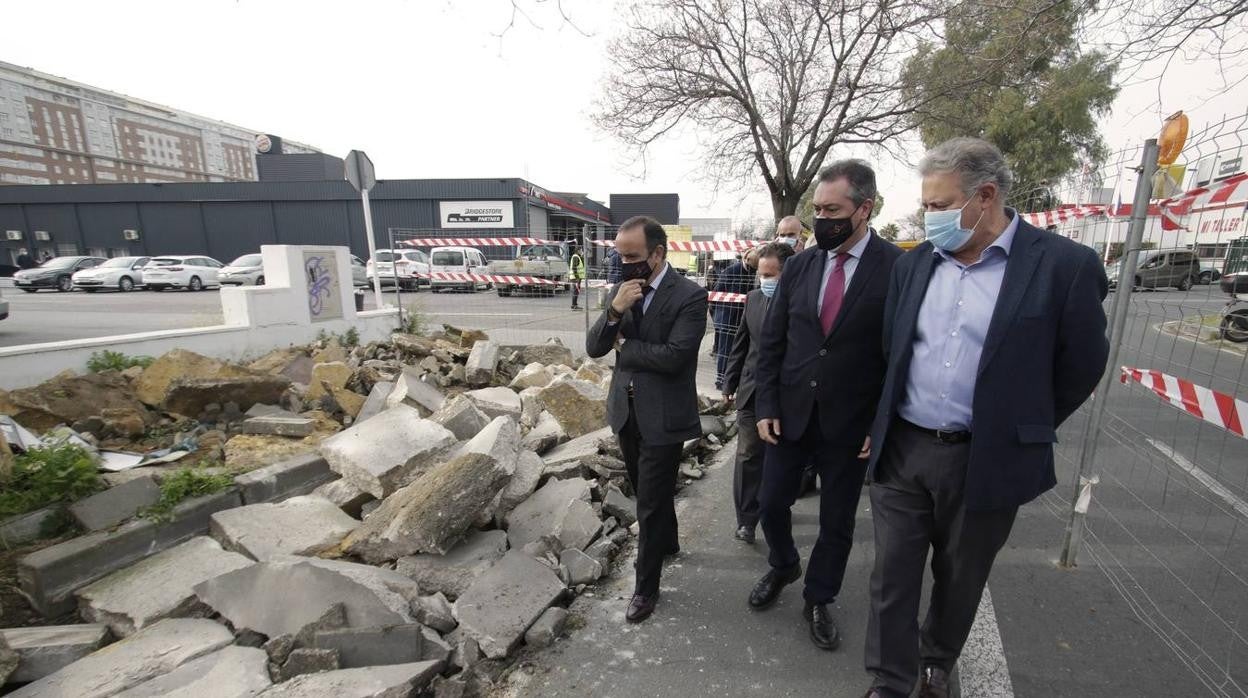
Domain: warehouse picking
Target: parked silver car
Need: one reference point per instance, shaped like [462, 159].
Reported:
[247, 270]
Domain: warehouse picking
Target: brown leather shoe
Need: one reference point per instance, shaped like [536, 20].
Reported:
[934, 683]
[640, 608]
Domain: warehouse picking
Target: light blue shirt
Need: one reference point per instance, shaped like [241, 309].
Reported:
[850, 266]
[949, 336]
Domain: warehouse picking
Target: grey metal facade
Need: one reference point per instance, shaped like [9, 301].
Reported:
[664, 207]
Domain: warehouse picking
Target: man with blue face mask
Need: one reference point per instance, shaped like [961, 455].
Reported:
[739, 386]
[995, 334]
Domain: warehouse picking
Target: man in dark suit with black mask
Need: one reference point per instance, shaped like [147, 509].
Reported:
[655, 320]
[820, 370]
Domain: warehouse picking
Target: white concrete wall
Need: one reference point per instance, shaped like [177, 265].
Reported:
[258, 319]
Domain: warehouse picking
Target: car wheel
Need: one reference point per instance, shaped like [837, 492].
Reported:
[126, 284]
[259, 280]
[1206, 277]
[503, 292]
[1235, 326]
[1135, 283]
[195, 284]
[64, 284]
[30, 290]
[1185, 284]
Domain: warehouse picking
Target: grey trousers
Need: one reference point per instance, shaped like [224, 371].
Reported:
[748, 475]
[916, 504]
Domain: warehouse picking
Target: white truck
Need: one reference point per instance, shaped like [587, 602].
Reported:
[549, 261]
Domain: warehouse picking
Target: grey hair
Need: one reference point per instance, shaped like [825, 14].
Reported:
[976, 161]
[857, 173]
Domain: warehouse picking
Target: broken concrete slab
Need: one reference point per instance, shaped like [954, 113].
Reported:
[499, 439]
[67, 399]
[578, 448]
[160, 586]
[230, 672]
[345, 496]
[151, 652]
[292, 426]
[376, 401]
[482, 363]
[616, 504]
[391, 681]
[308, 660]
[379, 455]
[24, 528]
[263, 410]
[546, 433]
[580, 406]
[546, 628]
[603, 550]
[326, 377]
[115, 504]
[290, 477]
[304, 525]
[410, 390]
[530, 407]
[496, 402]
[533, 375]
[433, 512]
[502, 603]
[189, 396]
[436, 612]
[712, 424]
[282, 596]
[433, 647]
[347, 401]
[380, 646]
[529, 468]
[46, 650]
[452, 573]
[462, 417]
[549, 354]
[578, 568]
[8, 661]
[560, 509]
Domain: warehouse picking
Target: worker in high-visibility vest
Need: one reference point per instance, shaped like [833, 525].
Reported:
[576, 272]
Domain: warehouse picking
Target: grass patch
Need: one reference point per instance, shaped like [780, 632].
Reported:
[184, 484]
[43, 476]
[413, 321]
[107, 360]
[350, 338]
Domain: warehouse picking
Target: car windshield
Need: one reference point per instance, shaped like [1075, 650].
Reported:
[163, 262]
[385, 257]
[60, 263]
[413, 256]
[448, 258]
[119, 262]
[247, 260]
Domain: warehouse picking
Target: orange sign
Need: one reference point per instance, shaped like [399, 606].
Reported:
[1173, 136]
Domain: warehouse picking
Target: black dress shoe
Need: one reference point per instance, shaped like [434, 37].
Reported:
[823, 630]
[640, 608]
[768, 588]
[934, 683]
[745, 534]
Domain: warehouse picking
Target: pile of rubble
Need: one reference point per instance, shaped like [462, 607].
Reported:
[476, 492]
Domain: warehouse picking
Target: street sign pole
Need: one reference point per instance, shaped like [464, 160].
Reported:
[358, 170]
[372, 245]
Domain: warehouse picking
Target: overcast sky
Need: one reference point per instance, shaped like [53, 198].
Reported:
[428, 89]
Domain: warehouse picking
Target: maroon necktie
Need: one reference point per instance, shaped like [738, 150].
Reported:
[833, 293]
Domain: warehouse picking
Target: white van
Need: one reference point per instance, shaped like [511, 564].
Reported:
[458, 260]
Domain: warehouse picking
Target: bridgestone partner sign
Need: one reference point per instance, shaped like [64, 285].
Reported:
[476, 214]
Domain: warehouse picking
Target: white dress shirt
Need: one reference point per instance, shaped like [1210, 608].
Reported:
[850, 266]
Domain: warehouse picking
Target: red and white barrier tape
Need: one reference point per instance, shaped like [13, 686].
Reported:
[1218, 409]
[725, 297]
[492, 278]
[475, 242]
[701, 245]
[1044, 219]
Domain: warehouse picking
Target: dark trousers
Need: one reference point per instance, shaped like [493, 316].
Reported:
[841, 473]
[916, 503]
[747, 478]
[576, 292]
[724, 336]
[652, 471]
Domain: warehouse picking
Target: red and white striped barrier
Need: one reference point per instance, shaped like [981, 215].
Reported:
[475, 242]
[1043, 219]
[491, 278]
[701, 245]
[725, 297]
[1218, 409]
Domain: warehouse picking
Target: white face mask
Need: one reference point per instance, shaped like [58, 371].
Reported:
[791, 242]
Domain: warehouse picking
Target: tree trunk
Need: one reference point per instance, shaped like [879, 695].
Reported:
[782, 205]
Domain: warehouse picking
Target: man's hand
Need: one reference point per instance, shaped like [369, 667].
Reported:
[865, 453]
[627, 296]
[769, 431]
[729, 396]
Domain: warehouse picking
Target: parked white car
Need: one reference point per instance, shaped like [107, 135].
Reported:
[359, 272]
[247, 270]
[412, 267]
[191, 272]
[458, 260]
[118, 273]
[4, 308]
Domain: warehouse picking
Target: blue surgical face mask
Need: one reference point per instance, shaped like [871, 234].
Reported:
[944, 228]
[768, 286]
[791, 242]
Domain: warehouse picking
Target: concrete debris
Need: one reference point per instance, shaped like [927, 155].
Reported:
[548, 354]
[713, 425]
[283, 596]
[189, 396]
[433, 647]
[308, 660]
[529, 468]
[579, 568]
[497, 402]
[376, 401]
[604, 467]
[304, 525]
[499, 439]
[9, 660]
[65, 400]
[394, 681]
[560, 509]
[334, 618]
[449, 688]
[534, 375]
[482, 363]
[462, 417]
[410, 389]
[580, 406]
[157, 587]
[115, 504]
[593, 372]
[124, 422]
[603, 550]
[379, 455]
[45, 650]
[616, 504]
[285, 478]
[229, 672]
[279, 648]
[502, 603]
[690, 471]
[432, 513]
[333, 351]
[546, 433]
[345, 496]
[326, 377]
[530, 407]
[364, 647]
[452, 573]
[467, 652]
[151, 652]
[546, 628]
[413, 345]
[435, 611]
[579, 448]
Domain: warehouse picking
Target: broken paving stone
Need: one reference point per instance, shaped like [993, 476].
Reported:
[616, 504]
[580, 406]
[376, 401]
[496, 402]
[274, 425]
[560, 509]
[452, 573]
[333, 352]
[347, 401]
[230, 671]
[364, 647]
[283, 596]
[529, 468]
[432, 513]
[449, 688]
[379, 455]
[409, 389]
[345, 496]
[413, 344]
[546, 628]
[372, 682]
[467, 652]
[308, 660]
[482, 363]
[304, 525]
[435, 611]
[151, 652]
[433, 647]
[189, 396]
[604, 467]
[249, 638]
[533, 375]
[9, 661]
[530, 407]
[462, 417]
[690, 471]
[713, 425]
[501, 604]
[430, 364]
[65, 400]
[326, 377]
[603, 550]
[548, 354]
[578, 448]
[334, 618]
[579, 567]
[279, 648]
[115, 504]
[157, 587]
[499, 439]
[48, 649]
[545, 434]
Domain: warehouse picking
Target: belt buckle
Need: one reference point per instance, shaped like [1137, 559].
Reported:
[947, 437]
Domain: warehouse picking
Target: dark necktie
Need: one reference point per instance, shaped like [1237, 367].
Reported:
[639, 308]
[833, 293]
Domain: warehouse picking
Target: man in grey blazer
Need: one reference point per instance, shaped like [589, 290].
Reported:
[655, 320]
[739, 386]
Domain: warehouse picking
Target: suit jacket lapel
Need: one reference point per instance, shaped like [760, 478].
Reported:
[862, 275]
[913, 294]
[662, 295]
[1025, 254]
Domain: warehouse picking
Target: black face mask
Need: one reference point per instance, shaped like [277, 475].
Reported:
[635, 270]
[831, 233]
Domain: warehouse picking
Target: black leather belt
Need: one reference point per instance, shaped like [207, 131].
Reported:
[945, 437]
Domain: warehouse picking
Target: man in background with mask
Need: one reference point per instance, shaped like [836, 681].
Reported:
[737, 278]
[820, 368]
[739, 385]
[995, 334]
[789, 232]
[655, 320]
